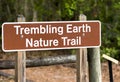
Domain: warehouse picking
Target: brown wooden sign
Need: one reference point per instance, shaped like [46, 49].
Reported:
[27, 36]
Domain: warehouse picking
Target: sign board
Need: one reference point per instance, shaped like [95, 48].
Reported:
[27, 36]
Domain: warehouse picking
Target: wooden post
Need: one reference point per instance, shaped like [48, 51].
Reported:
[94, 65]
[82, 64]
[20, 72]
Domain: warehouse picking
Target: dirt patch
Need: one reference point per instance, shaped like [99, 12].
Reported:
[60, 73]
[105, 72]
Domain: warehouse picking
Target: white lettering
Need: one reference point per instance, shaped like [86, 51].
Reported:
[71, 41]
[26, 30]
[41, 43]
[77, 29]
[69, 29]
[47, 29]
[29, 42]
[64, 40]
[17, 29]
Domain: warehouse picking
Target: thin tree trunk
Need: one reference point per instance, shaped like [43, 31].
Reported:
[26, 9]
[34, 11]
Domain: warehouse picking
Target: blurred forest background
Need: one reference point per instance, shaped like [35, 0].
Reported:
[107, 11]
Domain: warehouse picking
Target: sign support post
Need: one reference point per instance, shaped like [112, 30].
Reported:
[20, 67]
[94, 65]
[82, 64]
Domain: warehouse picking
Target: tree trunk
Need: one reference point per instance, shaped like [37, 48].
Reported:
[52, 60]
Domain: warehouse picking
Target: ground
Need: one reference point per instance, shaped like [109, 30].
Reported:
[60, 73]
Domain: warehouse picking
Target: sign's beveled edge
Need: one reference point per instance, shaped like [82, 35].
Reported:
[3, 38]
[50, 22]
[49, 48]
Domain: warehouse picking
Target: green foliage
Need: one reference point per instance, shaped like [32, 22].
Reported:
[110, 17]
[68, 9]
[110, 51]
[107, 11]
